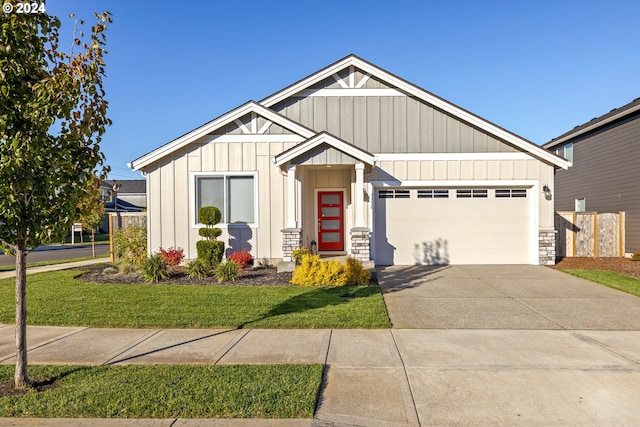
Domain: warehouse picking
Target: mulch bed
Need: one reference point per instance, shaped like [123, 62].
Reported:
[248, 277]
[618, 265]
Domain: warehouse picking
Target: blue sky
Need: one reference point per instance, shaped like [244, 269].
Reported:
[536, 68]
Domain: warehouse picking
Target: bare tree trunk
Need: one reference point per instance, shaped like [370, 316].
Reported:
[21, 378]
[93, 242]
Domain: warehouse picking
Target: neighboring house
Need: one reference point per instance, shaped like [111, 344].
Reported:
[605, 176]
[131, 195]
[357, 161]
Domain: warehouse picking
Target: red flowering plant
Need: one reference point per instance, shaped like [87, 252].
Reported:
[242, 258]
[172, 256]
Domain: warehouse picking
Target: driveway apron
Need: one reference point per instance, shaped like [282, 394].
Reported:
[502, 297]
[514, 345]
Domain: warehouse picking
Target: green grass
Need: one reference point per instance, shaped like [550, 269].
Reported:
[613, 280]
[99, 238]
[57, 299]
[164, 391]
[54, 262]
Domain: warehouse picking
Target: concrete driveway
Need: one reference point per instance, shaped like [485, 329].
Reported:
[504, 346]
[502, 297]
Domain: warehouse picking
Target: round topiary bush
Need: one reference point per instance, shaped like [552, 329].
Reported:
[209, 215]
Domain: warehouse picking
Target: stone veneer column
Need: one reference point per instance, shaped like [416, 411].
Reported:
[547, 246]
[291, 240]
[361, 243]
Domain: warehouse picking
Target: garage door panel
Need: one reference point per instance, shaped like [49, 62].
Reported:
[452, 230]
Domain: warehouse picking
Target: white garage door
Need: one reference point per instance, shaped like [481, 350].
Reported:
[452, 226]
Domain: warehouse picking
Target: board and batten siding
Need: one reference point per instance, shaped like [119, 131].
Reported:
[606, 173]
[171, 212]
[390, 124]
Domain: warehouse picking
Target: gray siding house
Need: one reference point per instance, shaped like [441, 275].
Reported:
[357, 161]
[605, 176]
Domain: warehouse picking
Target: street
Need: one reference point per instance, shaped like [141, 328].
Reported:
[58, 252]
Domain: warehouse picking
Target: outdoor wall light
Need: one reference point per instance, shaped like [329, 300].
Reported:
[547, 192]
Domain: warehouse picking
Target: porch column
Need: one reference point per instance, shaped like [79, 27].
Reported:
[291, 197]
[360, 235]
[359, 195]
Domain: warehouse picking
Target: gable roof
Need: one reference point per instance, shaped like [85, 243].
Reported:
[418, 92]
[324, 138]
[605, 119]
[263, 109]
[207, 128]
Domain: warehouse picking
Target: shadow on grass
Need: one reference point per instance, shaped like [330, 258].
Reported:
[44, 383]
[315, 299]
[318, 298]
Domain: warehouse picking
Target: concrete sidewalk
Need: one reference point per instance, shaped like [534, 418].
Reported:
[473, 345]
[54, 267]
[388, 377]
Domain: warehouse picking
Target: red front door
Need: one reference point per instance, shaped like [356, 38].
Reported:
[330, 221]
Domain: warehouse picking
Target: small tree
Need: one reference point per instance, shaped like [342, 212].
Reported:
[45, 169]
[91, 209]
[210, 250]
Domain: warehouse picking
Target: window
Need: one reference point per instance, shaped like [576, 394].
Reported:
[511, 193]
[472, 193]
[580, 205]
[234, 195]
[566, 152]
[394, 194]
[433, 194]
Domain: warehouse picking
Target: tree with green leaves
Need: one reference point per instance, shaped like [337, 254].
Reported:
[91, 209]
[52, 117]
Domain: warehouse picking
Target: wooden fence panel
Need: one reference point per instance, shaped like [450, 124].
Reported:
[589, 234]
[585, 237]
[608, 235]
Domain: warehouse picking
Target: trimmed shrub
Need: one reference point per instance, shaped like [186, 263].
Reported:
[242, 258]
[198, 269]
[313, 272]
[130, 244]
[226, 271]
[210, 233]
[209, 215]
[297, 254]
[155, 269]
[355, 274]
[172, 256]
[635, 256]
[210, 251]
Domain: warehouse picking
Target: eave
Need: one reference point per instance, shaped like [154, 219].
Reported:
[206, 129]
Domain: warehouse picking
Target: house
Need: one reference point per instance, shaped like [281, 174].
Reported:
[131, 195]
[605, 176]
[355, 160]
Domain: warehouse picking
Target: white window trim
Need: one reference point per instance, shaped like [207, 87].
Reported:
[192, 197]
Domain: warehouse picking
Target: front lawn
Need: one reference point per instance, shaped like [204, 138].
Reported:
[163, 391]
[613, 280]
[58, 299]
